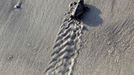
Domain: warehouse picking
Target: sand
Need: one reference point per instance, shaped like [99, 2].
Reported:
[35, 39]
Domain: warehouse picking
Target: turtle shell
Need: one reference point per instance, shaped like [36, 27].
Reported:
[78, 10]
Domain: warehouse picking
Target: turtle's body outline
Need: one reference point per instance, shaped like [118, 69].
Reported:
[18, 5]
[77, 9]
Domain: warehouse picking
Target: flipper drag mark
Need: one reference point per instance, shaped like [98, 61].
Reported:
[65, 49]
[67, 45]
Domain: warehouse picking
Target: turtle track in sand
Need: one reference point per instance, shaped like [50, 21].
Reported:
[66, 48]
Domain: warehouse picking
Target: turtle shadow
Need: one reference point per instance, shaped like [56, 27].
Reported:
[92, 17]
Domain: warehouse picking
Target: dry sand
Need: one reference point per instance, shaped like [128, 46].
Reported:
[34, 39]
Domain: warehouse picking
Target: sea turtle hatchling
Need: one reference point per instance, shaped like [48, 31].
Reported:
[18, 5]
[76, 9]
